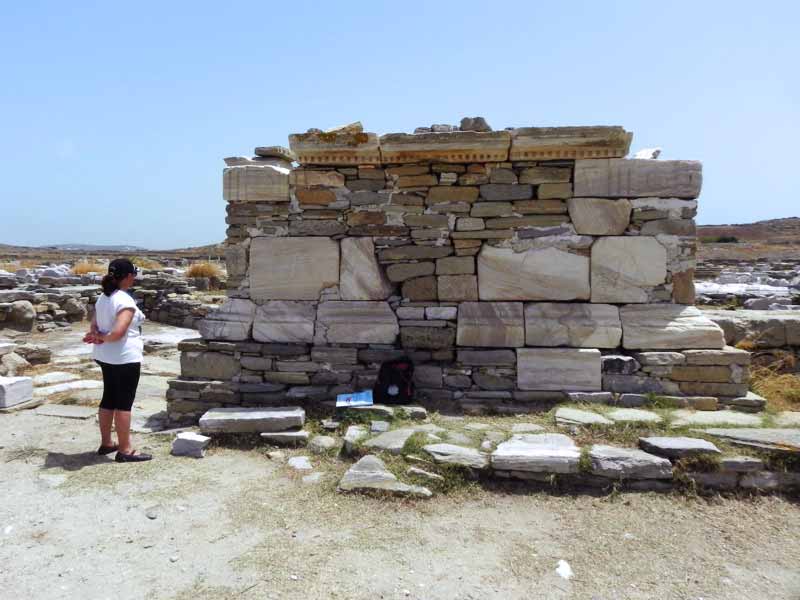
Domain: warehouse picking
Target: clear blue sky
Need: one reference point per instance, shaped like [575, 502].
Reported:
[115, 117]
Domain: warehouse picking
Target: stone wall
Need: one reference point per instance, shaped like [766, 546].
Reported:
[512, 266]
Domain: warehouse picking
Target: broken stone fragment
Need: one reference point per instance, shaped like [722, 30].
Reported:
[677, 447]
[275, 152]
[232, 321]
[345, 146]
[286, 438]
[371, 474]
[627, 463]
[188, 443]
[473, 124]
[452, 454]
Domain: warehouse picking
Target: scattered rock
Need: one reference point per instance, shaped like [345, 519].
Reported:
[370, 474]
[300, 463]
[457, 455]
[191, 444]
[352, 436]
[322, 444]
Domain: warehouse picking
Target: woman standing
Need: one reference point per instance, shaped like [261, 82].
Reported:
[116, 335]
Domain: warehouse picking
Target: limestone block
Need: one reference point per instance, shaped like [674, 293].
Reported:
[557, 369]
[420, 289]
[538, 175]
[360, 276]
[403, 271]
[599, 216]
[668, 327]
[536, 274]
[455, 147]
[457, 288]
[236, 260]
[252, 420]
[491, 324]
[537, 453]
[576, 325]
[336, 148]
[209, 365]
[308, 178]
[344, 322]
[284, 321]
[279, 152]
[548, 191]
[625, 268]
[189, 443]
[255, 184]
[292, 268]
[505, 191]
[455, 265]
[231, 322]
[15, 390]
[617, 178]
[451, 454]
[451, 193]
[550, 143]
[628, 463]
[430, 338]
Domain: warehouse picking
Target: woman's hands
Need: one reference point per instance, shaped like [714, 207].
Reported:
[93, 338]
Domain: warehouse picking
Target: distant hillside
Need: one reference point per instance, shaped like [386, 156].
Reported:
[776, 231]
[95, 248]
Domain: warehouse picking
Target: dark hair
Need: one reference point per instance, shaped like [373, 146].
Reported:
[118, 270]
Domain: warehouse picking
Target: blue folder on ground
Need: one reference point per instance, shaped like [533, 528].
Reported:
[354, 399]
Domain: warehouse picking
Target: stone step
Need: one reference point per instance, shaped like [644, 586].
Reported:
[252, 420]
[69, 386]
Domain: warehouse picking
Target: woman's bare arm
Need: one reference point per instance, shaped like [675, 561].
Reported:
[121, 324]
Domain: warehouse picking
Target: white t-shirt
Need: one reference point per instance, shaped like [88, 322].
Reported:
[129, 348]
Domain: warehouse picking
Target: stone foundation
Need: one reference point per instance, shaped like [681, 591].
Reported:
[513, 267]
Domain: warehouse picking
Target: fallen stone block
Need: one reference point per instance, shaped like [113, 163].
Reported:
[677, 447]
[628, 463]
[189, 443]
[252, 420]
[371, 474]
[451, 454]
[537, 453]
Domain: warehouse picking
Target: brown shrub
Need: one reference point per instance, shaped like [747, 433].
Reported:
[83, 267]
[147, 263]
[781, 390]
[203, 269]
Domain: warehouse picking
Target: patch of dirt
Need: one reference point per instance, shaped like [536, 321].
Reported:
[238, 525]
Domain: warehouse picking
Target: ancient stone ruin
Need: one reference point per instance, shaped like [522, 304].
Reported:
[516, 268]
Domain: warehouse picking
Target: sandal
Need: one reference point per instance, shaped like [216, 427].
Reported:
[103, 450]
[134, 456]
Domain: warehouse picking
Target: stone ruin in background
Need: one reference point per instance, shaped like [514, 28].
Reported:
[516, 268]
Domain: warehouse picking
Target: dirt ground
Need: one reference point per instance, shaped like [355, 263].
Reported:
[239, 525]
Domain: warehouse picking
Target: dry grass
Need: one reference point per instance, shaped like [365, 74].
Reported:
[203, 269]
[782, 390]
[84, 267]
[147, 263]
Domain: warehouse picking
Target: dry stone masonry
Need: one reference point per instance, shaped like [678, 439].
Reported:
[516, 268]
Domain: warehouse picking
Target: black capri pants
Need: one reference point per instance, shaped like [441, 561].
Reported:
[119, 385]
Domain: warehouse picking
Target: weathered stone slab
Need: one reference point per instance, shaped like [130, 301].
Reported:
[189, 443]
[677, 447]
[536, 274]
[551, 143]
[292, 268]
[628, 463]
[391, 441]
[371, 474]
[668, 327]
[591, 397]
[231, 322]
[53, 377]
[684, 418]
[537, 453]
[774, 440]
[490, 324]
[345, 322]
[267, 183]
[275, 152]
[727, 356]
[455, 147]
[633, 415]
[572, 324]
[402, 271]
[451, 454]
[625, 268]
[252, 420]
[559, 369]
[575, 416]
[285, 321]
[353, 435]
[341, 148]
[599, 216]
[360, 276]
[67, 411]
[73, 386]
[617, 178]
